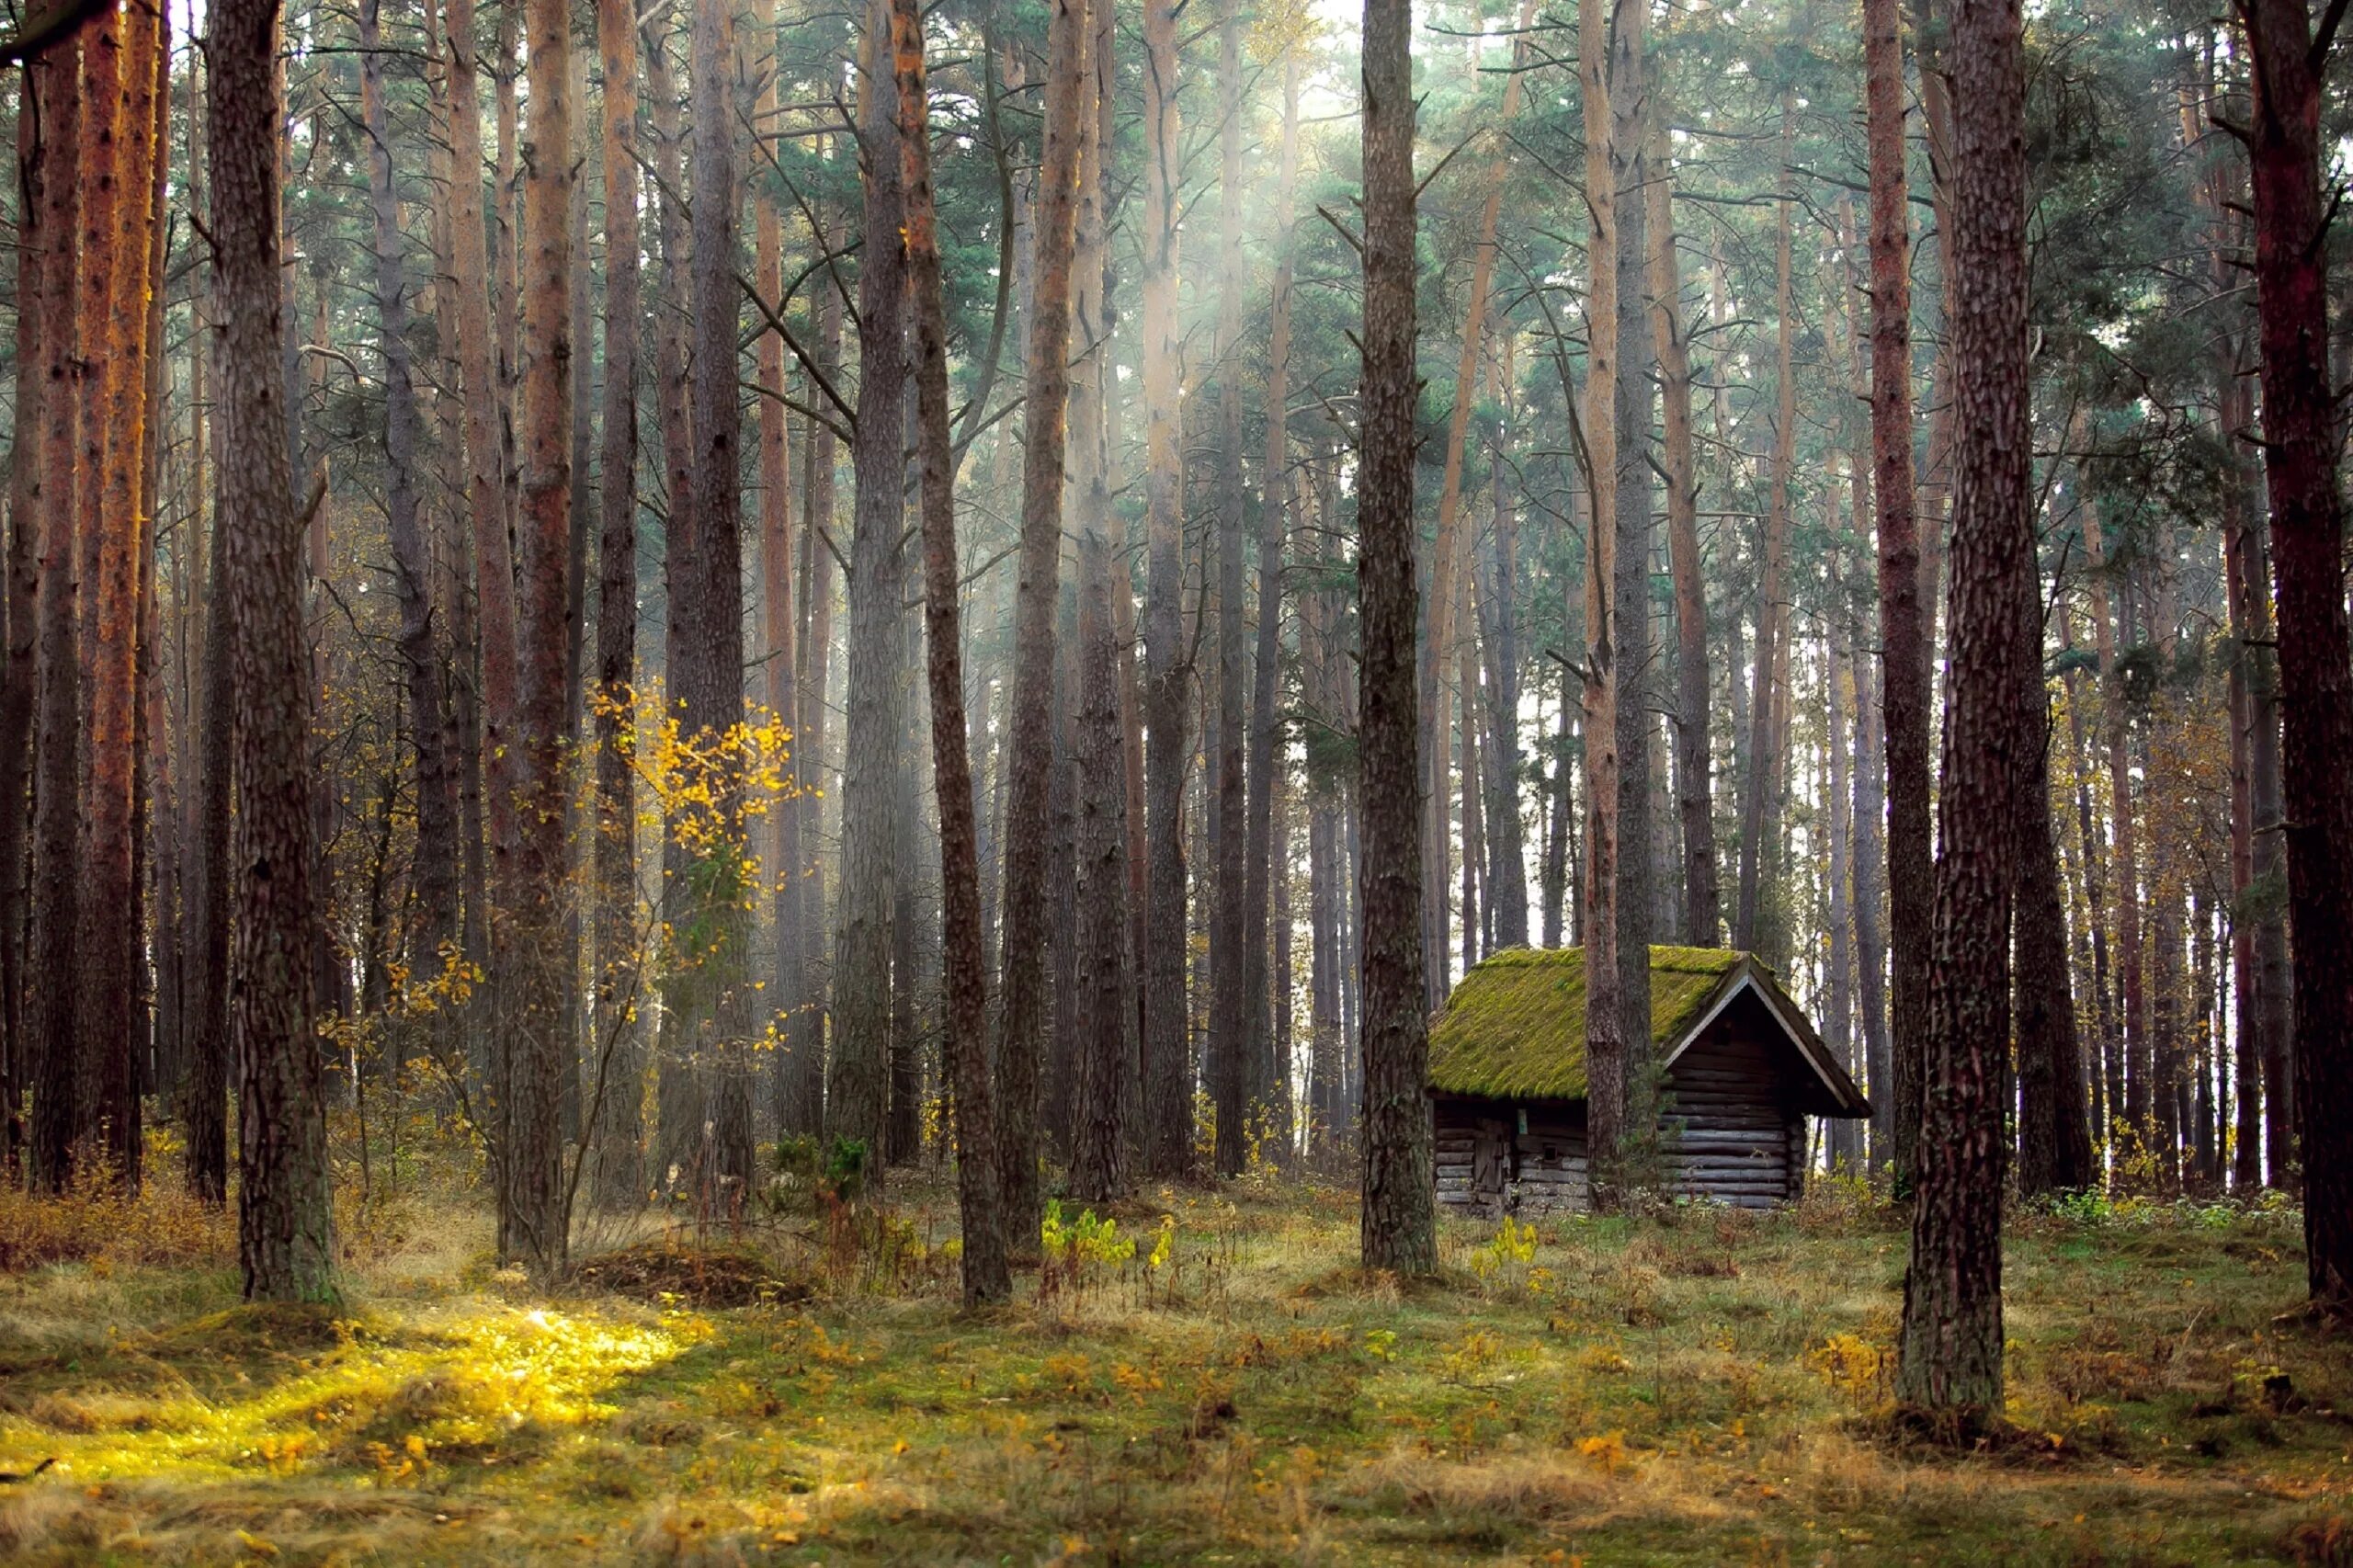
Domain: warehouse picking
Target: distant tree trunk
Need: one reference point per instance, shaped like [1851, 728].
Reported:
[1447, 553]
[1099, 1169]
[436, 874]
[2054, 1135]
[1631, 596]
[794, 1069]
[806, 1034]
[1227, 1063]
[1167, 1070]
[2316, 679]
[1702, 906]
[1398, 1227]
[986, 1278]
[617, 1069]
[284, 1247]
[857, 1069]
[1266, 724]
[2266, 1136]
[1904, 621]
[1839, 1015]
[1031, 752]
[2135, 1032]
[1760, 795]
[485, 440]
[49, 1001]
[1952, 1345]
[1507, 847]
[681, 1146]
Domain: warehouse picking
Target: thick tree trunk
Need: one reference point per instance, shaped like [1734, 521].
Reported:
[1952, 1345]
[282, 1210]
[1607, 1129]
[535, 981]
[1106, 1066]
[2315, 680]
[965, 995]
[681, 1145]
[857, 1069]
[19, 587]
[1630, 623]
[617, 1070]
[1904, 618]
[49, 1001]
[1398, 1228]
[1030, 755]
[707, 675]
[118, 71]
[1167, 1066]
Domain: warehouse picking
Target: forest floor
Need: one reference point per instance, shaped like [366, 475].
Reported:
[1698, 1388]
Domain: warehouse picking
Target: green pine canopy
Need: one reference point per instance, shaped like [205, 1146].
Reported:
[1514, 1028]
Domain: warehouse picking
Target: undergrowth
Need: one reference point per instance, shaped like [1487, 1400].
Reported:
[1192, 1376]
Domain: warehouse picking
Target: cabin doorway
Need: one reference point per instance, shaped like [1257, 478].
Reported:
[1491, 1161]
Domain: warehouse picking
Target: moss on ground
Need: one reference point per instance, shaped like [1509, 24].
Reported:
[1699, 1387]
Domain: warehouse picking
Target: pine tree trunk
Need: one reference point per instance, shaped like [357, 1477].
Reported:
[119, 70]
[856, 1076]
[1030, 754]
[1953, 1345]
[1266, 724]
[1630, 625]
[2054, 1134]
[1703, 905]
[1905, 619]
[436, 874]
[2316, 679]
[1606, 1127]
[20, 585]
[2134, 1036]
[1398, 1227]
[1099, 1169]
[986, 1278]
[806, 1036]
[680, 1144]
[1755, 923]
[535, 981]
[485, 441]
[1447, 553]
[1167, 1065]
[617, 1071]
[782, 867]
[284, 1247]
[49, 1001]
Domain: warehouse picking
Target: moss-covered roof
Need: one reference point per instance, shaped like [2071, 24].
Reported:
[1514, 1027]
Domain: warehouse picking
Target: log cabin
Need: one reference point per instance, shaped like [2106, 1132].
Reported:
[1742, 1070]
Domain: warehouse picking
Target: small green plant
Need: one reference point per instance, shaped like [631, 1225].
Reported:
[1078, 1252]
[1505, 1257]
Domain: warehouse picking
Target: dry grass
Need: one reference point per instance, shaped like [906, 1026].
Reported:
[1694, 1387]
